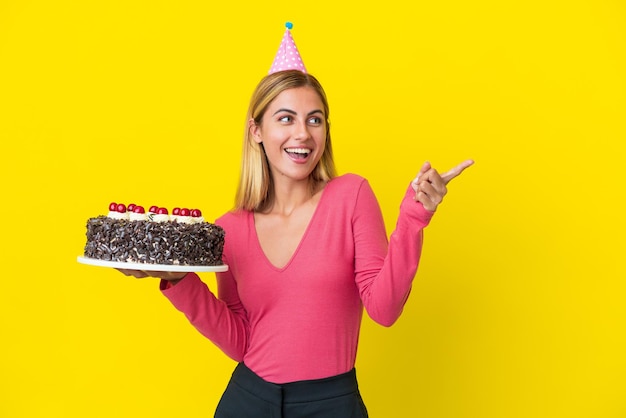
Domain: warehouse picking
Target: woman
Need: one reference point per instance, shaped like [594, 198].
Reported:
[307, 250]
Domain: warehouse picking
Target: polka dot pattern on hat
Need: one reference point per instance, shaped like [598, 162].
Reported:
[287, 57]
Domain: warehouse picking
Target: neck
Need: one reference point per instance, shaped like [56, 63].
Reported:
[288, 196]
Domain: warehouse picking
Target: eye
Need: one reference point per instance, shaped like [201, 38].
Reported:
[315, 120]
[285, 118]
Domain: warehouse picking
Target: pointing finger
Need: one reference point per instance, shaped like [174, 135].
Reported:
[454, 172]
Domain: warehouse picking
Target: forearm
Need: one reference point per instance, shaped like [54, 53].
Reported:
[212, 317]
[386, 290]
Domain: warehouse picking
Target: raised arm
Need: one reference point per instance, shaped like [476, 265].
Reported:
[385, 287]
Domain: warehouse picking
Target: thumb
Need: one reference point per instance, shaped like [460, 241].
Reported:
[425, 167]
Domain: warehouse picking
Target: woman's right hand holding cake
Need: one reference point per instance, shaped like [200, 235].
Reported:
[171, 276]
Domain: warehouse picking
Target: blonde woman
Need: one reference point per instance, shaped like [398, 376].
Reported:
[307, 251]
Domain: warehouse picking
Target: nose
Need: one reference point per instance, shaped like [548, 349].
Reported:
[301, 131]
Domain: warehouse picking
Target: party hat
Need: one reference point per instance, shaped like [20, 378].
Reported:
[287, 57]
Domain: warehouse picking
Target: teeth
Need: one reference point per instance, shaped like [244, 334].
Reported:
[298, 150]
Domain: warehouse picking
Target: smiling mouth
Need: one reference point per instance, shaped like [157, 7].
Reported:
[298, 153]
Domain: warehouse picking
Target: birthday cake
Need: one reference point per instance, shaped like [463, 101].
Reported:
[129, 234]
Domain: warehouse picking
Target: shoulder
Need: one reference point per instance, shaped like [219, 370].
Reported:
[350, 185]
[347, 182]
[351, 189]
[232, 218]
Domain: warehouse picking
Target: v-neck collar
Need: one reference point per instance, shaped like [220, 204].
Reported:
[302, 239]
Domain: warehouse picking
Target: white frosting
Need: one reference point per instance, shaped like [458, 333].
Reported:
[155, 217]
[118, 215]
[138, 216]
[186, 219]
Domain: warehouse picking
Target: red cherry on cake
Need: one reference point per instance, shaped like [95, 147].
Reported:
[121, 208]
[162, 211]
[113, 207]
[139, 209]
[131, 207]
[176, 211]
[153, 209]
[184, 212]
[196, 213]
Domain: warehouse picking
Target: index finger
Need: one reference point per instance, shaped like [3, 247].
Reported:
[454, 172]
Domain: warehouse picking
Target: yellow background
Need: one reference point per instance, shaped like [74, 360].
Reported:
[519, 308]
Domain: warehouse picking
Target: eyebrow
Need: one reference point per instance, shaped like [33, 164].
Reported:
[312, 112]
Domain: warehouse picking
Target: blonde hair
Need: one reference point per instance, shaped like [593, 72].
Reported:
[256, 189]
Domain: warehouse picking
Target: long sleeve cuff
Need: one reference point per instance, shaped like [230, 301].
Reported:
[412, 213]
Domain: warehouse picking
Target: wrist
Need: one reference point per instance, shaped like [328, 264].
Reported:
[172, 279]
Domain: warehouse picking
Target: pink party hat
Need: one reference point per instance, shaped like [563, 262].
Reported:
[287, 57]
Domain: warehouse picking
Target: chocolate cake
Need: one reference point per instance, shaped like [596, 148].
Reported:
[173, 241]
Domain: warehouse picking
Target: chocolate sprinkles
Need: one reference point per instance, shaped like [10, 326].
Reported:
[171, 243]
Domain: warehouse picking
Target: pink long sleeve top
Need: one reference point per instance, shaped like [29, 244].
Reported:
[302, 321]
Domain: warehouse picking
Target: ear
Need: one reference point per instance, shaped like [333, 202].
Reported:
[255, 131]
